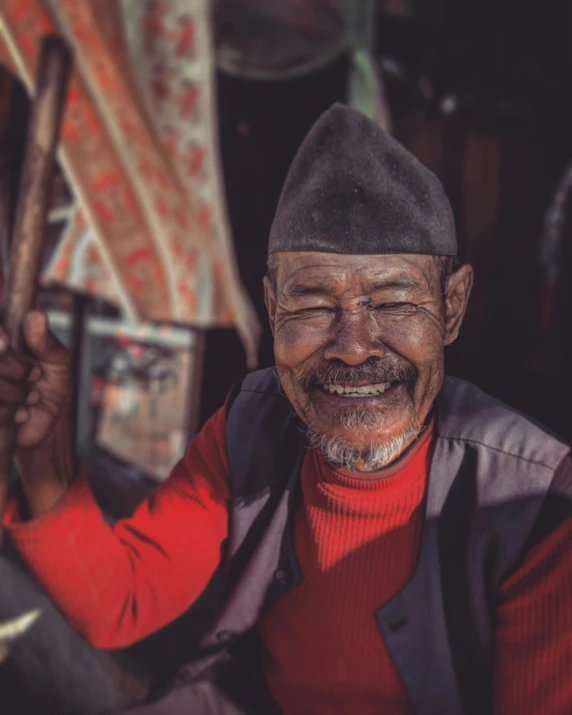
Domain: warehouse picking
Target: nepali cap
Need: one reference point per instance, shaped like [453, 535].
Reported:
[352, 188]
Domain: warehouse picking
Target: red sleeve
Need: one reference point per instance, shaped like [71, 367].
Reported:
[533, 637]
[118, 585]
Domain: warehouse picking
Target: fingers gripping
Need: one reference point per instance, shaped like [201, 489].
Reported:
[13, 367]
[35, 385]
[14, 395]
[43, 344]
[18, 372]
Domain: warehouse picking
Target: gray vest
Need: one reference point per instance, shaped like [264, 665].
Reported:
[490, 472]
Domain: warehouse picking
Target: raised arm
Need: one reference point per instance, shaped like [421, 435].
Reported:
[115, 585]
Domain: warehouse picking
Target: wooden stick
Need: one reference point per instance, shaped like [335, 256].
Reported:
[54, 66]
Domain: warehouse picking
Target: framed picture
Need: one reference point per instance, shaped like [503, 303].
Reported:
[137, 392]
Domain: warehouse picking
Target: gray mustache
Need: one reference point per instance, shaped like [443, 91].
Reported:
[373, 371]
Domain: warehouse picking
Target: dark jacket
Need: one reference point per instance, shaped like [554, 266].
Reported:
[490, 474]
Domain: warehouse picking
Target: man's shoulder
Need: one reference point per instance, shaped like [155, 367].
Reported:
[468, 414]
[258, 387]
[262, 381]
[263, 435]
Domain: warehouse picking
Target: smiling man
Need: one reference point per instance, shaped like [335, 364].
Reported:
[358, 345]
[390, 540]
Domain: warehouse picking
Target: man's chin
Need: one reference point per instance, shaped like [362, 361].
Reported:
[360, 441]
[350, 450]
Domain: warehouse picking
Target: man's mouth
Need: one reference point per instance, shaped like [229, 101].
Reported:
[357, 391]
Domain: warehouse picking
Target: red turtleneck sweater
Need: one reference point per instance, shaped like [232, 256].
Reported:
[357, 541]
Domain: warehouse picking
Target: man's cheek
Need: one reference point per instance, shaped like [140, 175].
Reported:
[425, 351]
[421, 345]
[295, 342]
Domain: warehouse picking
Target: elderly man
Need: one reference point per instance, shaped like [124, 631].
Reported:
[391, 541]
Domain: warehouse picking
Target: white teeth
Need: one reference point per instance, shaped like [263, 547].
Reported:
[378, 389]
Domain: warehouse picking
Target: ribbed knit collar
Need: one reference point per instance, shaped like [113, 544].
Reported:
[396, 490]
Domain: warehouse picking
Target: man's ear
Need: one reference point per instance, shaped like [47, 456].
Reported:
[458, 291]
[270, 301]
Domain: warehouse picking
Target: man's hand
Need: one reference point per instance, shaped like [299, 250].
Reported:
[34, 393]
[35, 397]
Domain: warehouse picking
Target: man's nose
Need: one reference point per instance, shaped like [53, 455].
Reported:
[355, 340]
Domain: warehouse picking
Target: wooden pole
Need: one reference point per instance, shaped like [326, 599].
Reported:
[194, 393]
[6, 95]
[54, 66]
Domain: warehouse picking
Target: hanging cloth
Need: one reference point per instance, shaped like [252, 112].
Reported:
[148, 230]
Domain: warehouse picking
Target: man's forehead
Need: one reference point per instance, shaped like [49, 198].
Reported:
[308, 268]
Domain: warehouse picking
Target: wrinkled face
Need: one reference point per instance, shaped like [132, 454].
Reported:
[358, 343]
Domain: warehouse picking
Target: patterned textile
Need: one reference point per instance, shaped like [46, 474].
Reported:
[149, 230]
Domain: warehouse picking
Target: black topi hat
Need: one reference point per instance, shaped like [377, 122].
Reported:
[352, 188]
